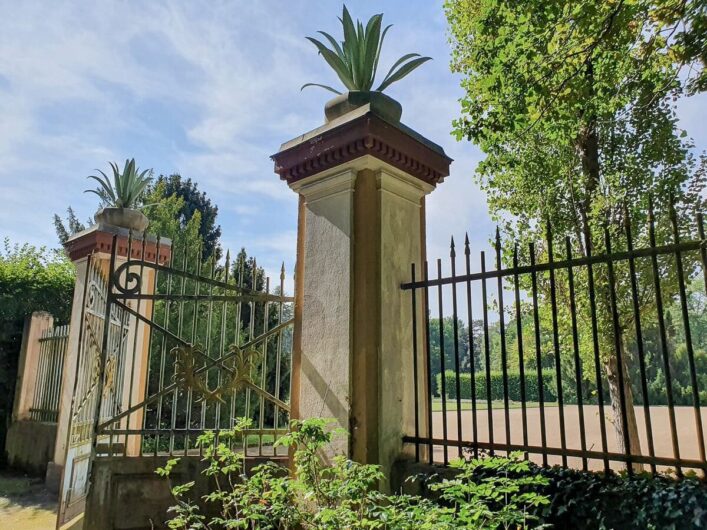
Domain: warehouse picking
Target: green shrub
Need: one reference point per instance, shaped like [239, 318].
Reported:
[342, 494]
[593, 501]
[514, 388]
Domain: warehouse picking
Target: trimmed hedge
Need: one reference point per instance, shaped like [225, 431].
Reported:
[593, 501]
[514, 393]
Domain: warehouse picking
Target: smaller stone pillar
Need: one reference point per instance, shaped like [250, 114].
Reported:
[362, 180]
[96, 243]
[35, 326]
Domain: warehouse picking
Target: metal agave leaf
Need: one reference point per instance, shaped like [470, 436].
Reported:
[126, 189]
[355, 59]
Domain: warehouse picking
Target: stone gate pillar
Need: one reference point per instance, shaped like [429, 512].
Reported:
[362, 180]
[96, 244]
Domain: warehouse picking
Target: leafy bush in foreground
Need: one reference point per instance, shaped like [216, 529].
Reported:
[342, 494]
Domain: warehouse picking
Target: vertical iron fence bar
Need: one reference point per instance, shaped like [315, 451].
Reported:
[575, 350]
[55, 376]
[237, 331]
[278, 357]
[663, 337]
[443, 372]
[180, 321]
[519, 338]
[428, 358]
[38, 401]
[163, 358]
[453, 260]
[148, 375]
[224, 315]
[556, 346]
[623, 378]
[472, 362]
[193, 340]
[47, 379]
[413, 292]
[639, 340]
[688, 335]
[251, 334]
[263, 367]
[502, 331]
[46, 373]
[487, 353]
[538, 355]
[41, 397]
[209, 321]
[595, 345]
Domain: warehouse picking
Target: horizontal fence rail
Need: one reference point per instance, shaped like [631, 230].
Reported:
[50, 366]
[593, 357]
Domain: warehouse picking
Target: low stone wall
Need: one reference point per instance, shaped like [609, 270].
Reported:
[30, 446]
[127, 494]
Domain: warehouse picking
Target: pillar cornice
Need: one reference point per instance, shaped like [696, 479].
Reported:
[99, 238]
[357, 134]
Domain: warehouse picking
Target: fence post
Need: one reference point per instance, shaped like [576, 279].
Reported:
[35, 325]
[362, 181]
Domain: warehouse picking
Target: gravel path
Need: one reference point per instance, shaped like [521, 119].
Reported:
[662, 440]
[25, 504]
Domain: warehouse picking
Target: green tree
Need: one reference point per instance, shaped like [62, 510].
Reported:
[573, 105]
[175, 206]
[193, 202]
[168, 221]
[31, 279]
[450, 353]
[72, 226]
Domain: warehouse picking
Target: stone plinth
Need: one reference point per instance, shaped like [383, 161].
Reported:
[362, 183]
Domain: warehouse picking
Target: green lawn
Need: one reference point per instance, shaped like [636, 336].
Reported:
[483, 405]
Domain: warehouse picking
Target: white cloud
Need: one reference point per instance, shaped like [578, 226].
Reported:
[209, 90]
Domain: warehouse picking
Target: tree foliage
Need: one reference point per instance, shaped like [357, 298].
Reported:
[193, 202]
[31, 279]
[573, 104]
[176, 209]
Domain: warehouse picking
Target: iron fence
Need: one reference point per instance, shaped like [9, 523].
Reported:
[50, 366]
[213, 340]
[597, 362]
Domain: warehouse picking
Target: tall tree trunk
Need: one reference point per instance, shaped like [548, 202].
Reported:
[587, 146]
[628, 432]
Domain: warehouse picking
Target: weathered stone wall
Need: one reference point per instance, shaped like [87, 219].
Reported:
[127, 494]
[30, 446]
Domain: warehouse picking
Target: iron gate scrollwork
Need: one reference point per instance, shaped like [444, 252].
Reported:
[210, 343]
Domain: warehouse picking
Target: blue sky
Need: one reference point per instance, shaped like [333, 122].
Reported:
[209, 90]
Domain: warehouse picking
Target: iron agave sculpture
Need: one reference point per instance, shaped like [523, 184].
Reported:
[355, 60]
[126, 189]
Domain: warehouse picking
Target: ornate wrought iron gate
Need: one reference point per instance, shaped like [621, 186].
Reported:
[192, 346]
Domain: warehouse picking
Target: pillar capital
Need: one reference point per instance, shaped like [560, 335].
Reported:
[357, 134]
[98, 239]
